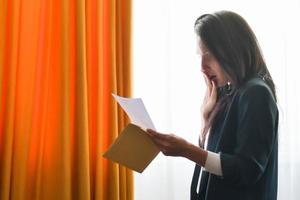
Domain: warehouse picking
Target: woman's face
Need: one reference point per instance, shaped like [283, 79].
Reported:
[210, 66]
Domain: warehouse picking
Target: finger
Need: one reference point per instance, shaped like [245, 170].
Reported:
[208, 83]
[206, 94]
[205, 78]
[160, 144]
[150, 131]
[214, 90]
[153, 133]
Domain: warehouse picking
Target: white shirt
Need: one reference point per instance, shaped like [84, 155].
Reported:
[213, 161]
[212, 164]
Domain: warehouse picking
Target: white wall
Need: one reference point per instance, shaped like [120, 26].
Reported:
[167, 76]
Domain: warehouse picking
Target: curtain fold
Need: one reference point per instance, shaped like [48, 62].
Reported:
[60, 61]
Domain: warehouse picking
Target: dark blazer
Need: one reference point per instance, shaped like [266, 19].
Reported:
[246, 136]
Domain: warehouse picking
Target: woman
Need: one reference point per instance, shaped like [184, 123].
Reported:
[237, 153]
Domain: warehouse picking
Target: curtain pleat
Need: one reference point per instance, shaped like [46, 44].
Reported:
[60, 61]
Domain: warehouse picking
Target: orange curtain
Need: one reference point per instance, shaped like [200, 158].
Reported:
[60, 60]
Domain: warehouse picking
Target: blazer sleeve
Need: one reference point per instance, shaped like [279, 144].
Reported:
[256, 135]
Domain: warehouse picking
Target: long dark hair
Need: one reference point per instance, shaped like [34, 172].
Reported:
[232, 42]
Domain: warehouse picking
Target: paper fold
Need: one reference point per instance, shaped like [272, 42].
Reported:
[133, 148]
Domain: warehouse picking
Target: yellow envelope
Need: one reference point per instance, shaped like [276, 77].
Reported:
[133, 149]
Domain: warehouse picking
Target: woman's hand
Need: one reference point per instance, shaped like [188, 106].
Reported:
[210, 98]
[169, 144]
[172, 145]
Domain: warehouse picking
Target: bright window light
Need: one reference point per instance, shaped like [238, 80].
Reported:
[167, 77]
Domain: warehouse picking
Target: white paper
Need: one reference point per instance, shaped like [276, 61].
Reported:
[136, 111]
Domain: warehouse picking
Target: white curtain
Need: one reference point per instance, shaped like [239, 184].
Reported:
[167, 76]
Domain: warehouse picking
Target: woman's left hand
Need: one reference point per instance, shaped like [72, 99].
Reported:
[169, 144]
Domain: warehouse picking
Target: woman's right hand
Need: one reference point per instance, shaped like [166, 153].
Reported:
[210, 98]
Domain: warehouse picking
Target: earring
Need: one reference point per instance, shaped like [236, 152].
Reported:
[228, 88]
[264, 77]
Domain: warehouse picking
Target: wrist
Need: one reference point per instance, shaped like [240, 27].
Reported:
[195, 154]
[186, 150]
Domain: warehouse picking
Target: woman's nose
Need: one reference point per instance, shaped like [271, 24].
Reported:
[204, 66]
